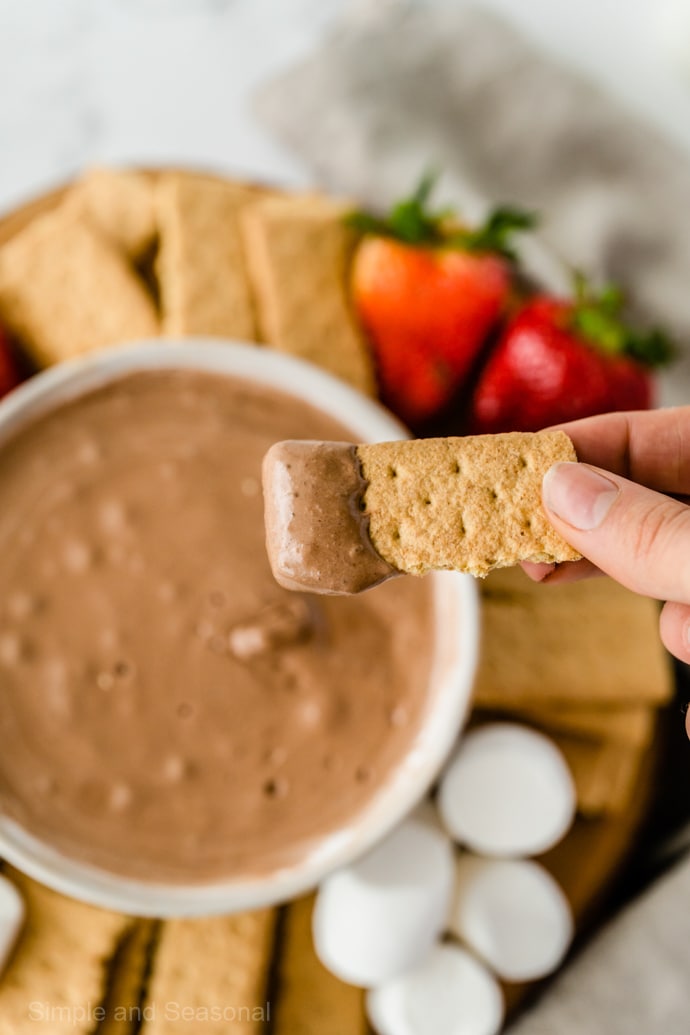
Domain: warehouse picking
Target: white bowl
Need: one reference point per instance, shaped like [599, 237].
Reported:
[454, 663]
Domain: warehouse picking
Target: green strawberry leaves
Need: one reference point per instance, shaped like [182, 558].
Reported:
[652, 348]
[598, 318]
[413, 222]
[409, 221]
[496, 233]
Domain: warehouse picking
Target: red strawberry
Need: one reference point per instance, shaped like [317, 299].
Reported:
[428, 293]
[558, 360]
[9, 374]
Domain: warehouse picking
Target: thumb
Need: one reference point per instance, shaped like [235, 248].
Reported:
[639, 537]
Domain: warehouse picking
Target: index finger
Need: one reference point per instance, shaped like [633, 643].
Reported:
[651, 447]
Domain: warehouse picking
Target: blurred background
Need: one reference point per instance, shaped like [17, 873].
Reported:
[160, 81]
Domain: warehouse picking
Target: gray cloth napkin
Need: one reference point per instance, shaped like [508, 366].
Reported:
[633, 979]
[403, 86]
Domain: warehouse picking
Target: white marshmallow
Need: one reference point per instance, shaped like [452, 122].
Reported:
[449, 993]
[381, 915]
[507, 792]
[513, 914]
[12, 914]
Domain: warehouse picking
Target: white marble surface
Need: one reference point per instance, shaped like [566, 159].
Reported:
[158, 81]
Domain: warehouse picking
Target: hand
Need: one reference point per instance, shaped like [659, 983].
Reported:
[625, 508]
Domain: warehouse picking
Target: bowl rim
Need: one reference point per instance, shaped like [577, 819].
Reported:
[456, 648]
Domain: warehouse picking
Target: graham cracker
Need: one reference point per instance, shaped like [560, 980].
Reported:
[203, 280]
[126, 980]
[66, 289]
[632, 725]
[214, 964]
[299, 251]
[56, 977]
[588, 642]
[311, 1000]
[604, 773]
[121, 204]
[466, 504]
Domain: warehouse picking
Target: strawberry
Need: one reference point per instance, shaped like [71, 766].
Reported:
[428, 292]
[558, 360]
[9, 373]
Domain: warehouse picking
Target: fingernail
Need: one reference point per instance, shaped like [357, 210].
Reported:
[577, 494]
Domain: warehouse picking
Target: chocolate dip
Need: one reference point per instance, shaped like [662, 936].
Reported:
[167, 711]
[317, 537]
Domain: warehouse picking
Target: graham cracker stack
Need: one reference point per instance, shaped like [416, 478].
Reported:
[55, 979]
[215, 969]
[632, 725]
[590, 642]
[311, 1000]
[201, 266]
[469, 504]
[120, 202]
[605, 774]
[66, 289]
[299, 252]
[127, 974]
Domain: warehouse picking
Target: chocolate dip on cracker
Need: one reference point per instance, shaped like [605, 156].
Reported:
[317, 535]
[342, 518]
[168, 712]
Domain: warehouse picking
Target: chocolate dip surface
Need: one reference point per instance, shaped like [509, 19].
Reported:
[316, 535]
[167, 711]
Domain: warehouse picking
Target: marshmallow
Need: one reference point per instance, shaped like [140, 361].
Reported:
[507, 792]
[449, 993]
[513, 914]
[381, 915]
